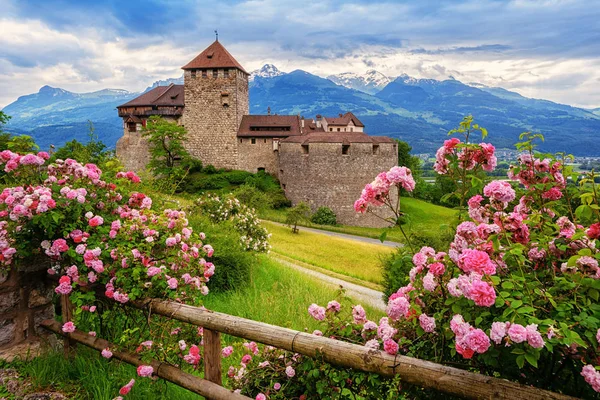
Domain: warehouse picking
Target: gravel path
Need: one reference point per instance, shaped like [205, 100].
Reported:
[357, 292]
[344, 235]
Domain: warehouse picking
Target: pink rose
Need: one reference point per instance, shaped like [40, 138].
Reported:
[145, 370]
[68, 327]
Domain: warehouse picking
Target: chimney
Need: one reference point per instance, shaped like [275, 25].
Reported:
[319, 120]
[341, 115]
[268, 110]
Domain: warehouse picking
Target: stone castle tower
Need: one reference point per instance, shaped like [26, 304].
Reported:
[325, 162]
[216, 98]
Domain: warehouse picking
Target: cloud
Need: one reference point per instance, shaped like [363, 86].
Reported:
[525, 45]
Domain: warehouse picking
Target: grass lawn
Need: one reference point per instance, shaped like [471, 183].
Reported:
[279, 296]
[275, 294]
[422, 217]
[343, 256]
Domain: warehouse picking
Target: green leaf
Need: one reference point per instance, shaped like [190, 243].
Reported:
[508, 285]
[525, 310]
[531, 359]
[383, 236]
[520, 361]
[516, 303]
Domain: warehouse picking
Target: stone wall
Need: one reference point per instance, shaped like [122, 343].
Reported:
[213, 112]
[25, 301]
[324, 176]
[258, 155]
[133, 150]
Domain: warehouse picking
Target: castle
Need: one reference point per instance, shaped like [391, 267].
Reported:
[323, 161]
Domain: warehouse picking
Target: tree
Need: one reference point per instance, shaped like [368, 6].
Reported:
[166, 145]
[405, 159]
[300, 212]
[94, 151]
[4, 136]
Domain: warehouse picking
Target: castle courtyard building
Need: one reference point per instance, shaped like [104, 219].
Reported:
[324, 161]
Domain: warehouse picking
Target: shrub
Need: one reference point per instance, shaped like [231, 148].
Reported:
[324, 216]
[253, 236]
[395, 268]
[211, 182]
[231, 258]
[252, 197]
[210, 169]
[237, 177]
[263, 182]
[515, 295]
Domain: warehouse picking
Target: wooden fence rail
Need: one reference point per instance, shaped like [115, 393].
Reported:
[422, 373]
[172, 374]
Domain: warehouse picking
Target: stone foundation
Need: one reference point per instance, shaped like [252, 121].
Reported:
[25, 301]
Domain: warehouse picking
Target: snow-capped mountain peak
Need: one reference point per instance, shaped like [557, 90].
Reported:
[267, 71]
[370, 82]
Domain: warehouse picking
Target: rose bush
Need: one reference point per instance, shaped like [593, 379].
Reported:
[516, 293]
[103, 236]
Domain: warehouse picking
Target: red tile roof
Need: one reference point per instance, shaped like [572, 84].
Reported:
[337, 137]
[269, 126]
[215, 56]
[172, 95]
[344, 120]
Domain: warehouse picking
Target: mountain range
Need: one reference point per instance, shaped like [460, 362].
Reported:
[420, 111]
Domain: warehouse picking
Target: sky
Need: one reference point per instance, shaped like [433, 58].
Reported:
[539, 48]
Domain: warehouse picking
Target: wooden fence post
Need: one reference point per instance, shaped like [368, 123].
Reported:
[212, 356]
[67, 315]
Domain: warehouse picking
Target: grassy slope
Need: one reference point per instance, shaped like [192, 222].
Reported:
[275, 295]
[422, 217]
[346, 257]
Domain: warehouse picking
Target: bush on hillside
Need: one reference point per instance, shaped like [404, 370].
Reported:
[253, 236]
[324, 216]
[231, 259]
[237, 177]
[252, 197]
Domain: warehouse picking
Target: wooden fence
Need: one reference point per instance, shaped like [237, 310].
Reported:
[426, 374]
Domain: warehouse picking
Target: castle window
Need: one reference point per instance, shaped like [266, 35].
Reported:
[131, 126]
[225, 99]
[261, 169]
[241, 140]
[283, 186]
[338, 129]
[264, 140]
[351, 129]
[193, 74]
[345, 149]
[204, 73]
[253, 140]
[215, 73]
[304, 149]
[280, 172]
[375, 149]
[226, 73]
[330, 129]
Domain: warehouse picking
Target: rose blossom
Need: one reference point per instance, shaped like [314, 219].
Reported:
[127, 388]
[145, 370]
[390, 347]
[226, 352]
[290, 372]
[68, 327]
[427, 323]
[517, 333]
